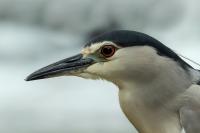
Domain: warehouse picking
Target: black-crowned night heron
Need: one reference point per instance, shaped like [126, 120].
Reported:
[158, 91]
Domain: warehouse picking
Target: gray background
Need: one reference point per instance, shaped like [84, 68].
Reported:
[34, 33]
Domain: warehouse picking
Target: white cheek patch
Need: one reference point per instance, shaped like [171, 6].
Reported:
[86, 51]
[92, 49]
[94, 68]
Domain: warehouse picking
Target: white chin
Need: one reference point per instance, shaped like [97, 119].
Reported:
[88, 76]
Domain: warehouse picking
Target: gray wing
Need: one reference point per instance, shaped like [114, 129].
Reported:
[190, 119]
[190, 113]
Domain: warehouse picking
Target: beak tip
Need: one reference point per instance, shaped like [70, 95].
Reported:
[29, 78]
[33, 77]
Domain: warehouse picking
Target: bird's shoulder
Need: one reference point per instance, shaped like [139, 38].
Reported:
[190, 111]
[192, 95]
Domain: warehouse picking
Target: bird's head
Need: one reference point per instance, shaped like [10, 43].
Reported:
[115, 56]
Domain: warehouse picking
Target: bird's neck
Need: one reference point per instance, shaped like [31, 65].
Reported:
[146, 117]
[152, 107]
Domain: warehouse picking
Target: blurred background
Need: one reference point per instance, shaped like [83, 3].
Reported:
[34, 33]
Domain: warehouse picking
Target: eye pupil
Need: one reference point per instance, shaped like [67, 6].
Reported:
[108, 50]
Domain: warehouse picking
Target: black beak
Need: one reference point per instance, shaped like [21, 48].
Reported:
[66, 66]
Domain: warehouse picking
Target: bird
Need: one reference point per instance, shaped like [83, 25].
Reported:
[159, 92]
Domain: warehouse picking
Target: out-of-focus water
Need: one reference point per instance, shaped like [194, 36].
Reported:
[36, 33]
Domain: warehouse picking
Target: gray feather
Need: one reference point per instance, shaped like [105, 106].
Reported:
[190, 119]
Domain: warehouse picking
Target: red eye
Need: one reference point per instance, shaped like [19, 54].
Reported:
[108, 50]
